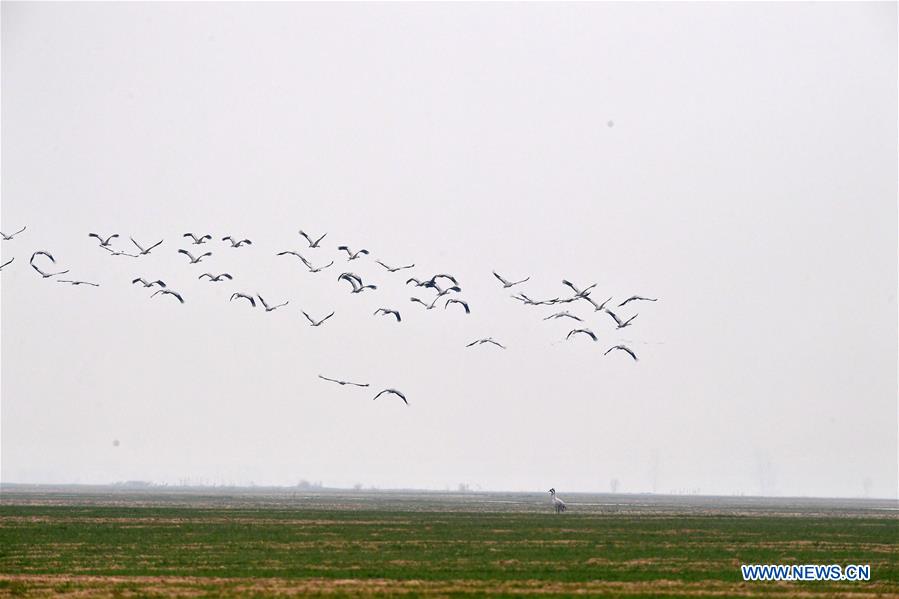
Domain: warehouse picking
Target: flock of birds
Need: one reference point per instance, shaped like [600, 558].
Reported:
[445, 288]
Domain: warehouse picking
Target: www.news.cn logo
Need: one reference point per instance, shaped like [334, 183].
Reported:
[806, 572]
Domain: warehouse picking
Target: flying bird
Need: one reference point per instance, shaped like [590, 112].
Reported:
[426, 305]
[531, 302]
[442, 292]
[103, 242]
[596, 307]
[270, 308]
[117, 252]
[453, 300]
[394, 392]
[433, 279]
[144, 252]
[198, 240]
[565, 314]
[7, 263]
[356, 282]
[638, 298]
[317, 323]
[235, 243]
[578, 292]
[587, 332]
[75, 283]
[339, 382]
[507, 284]
[9, 237]
[486, 340]
[618, 322]
[352, 255]
[145, 283]
[194, 260]
[312, 244]
[175, 294]
[386, 311]
[395, 268]
[249, 298]
[39, 271]
[306, 262]
[623, 348]
[216, 278]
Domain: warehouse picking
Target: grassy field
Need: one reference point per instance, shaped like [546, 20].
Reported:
[214, 544]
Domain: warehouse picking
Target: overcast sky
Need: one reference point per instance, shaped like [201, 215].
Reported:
[749, 181]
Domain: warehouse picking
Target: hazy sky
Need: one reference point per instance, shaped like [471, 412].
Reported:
[749, 181]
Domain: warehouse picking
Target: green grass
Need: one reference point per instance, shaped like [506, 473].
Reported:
[57, 549]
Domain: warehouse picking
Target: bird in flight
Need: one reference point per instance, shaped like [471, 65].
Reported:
[386, 311]
[638, 298]
[174, 294]
[578, 292]
[8, 262]
[216, 278]
[596, 307]
[507, 284]
[355, 281]
[144, 252]
[235, 243]
[270, 308]
[306, 262]
[317, 323]
[312, 244]
[145, 283]
[117, 252]
[433, 280]
[394, 268]
[198, 240]
[432, 284]
[192, 258]
[426, 305]
[425, 283]
[75, 283]
[565, 314]
[249, 298]
[453, 300]
[339, 382]
[623, 348]
[486, 340]
[442, 292]
[39, 271]
[531, 302]
[617, 320]
[587, 332]
[394, 392]
[352, 255]
[103, 242]
[9, 237]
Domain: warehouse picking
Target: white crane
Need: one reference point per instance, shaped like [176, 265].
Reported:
[507, 283]
[103, 242]
[351, 254]
[145, 251]
[194, 259]
[237, 243]
[9, 237]
[558, 504]
[312, 244]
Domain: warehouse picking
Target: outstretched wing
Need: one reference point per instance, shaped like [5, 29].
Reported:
[501, 280]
